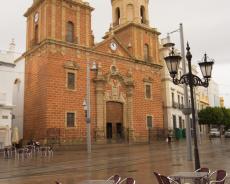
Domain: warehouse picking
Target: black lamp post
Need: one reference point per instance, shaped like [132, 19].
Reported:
[172, 62]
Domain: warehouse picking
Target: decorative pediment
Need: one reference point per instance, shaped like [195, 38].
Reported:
[113, 45]
[71, 65]
[148, 79]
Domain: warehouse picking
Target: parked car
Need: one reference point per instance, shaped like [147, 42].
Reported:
[227, 133]
[214, 132]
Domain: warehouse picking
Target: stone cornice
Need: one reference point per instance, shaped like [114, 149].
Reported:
[75, 3]
[131, 24]
[7, 107]
[82, 4]
[33, 7]
[19, 59]
[90, 50]
[11, 65]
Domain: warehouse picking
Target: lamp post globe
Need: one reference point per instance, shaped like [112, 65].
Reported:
[172, 63]
[206, 67]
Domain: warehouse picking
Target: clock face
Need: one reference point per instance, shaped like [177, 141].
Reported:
[113, 46]
[36, 17]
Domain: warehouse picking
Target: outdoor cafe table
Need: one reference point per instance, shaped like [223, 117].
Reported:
[195, 176]
[96, 182]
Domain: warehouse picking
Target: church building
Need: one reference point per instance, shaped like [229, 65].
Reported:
[125, 90]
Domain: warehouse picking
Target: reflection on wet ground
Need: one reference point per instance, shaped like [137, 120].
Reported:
[137, 161]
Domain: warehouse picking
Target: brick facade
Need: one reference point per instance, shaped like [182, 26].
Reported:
[121, 77]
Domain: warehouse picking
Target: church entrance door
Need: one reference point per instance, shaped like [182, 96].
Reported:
[114, 122]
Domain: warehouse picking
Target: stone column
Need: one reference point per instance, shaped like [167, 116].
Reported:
[129, 94]
[100, 132]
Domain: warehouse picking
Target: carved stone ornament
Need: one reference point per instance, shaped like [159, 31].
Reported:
[148, 79]
[113, 70]
[71, 65]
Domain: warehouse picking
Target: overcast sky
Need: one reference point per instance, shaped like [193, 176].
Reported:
[206, 27]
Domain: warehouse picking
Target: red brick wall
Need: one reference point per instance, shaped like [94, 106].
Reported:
[47, 99]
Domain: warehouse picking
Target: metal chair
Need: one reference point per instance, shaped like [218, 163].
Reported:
[27, 152]
[204, 179]
[203, 169]
[44, 151]
[158, 177]
[220, 177]
[20, 153]
[50, 151]
[128, 181]
[115, 178]
[167, 180]
[7, 153]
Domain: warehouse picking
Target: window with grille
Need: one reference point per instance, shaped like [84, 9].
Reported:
[70, 119]
[71, 80]
[148, 91]
[149, 122]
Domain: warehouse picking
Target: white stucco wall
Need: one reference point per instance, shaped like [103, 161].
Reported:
[11, 94]
[5, 126]
[213, 94]
[18, 96]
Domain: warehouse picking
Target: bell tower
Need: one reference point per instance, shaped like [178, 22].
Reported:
[57, 30]
[125, 11]
[131, 26]
[64, 21]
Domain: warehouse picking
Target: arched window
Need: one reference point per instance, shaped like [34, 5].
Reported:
[143, 17]
[36, 34]
[70, 32]
[146, 52]
[117, 16]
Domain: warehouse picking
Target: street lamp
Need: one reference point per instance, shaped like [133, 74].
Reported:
[86, 105]
[172, 62]
[186, 110]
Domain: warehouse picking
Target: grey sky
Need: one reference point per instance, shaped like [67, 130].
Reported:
[206, 27]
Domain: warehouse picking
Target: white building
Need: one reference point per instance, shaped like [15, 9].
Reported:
[173, 95]
[18, 95]
[213, 94]
[11, 95]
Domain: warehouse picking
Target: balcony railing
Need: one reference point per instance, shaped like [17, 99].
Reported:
[175, 105]
[181, 106]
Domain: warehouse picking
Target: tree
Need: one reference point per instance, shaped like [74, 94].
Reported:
[226, 119]
[204, 117]
[211, 116]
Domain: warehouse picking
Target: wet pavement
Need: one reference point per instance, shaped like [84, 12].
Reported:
[137, 161]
